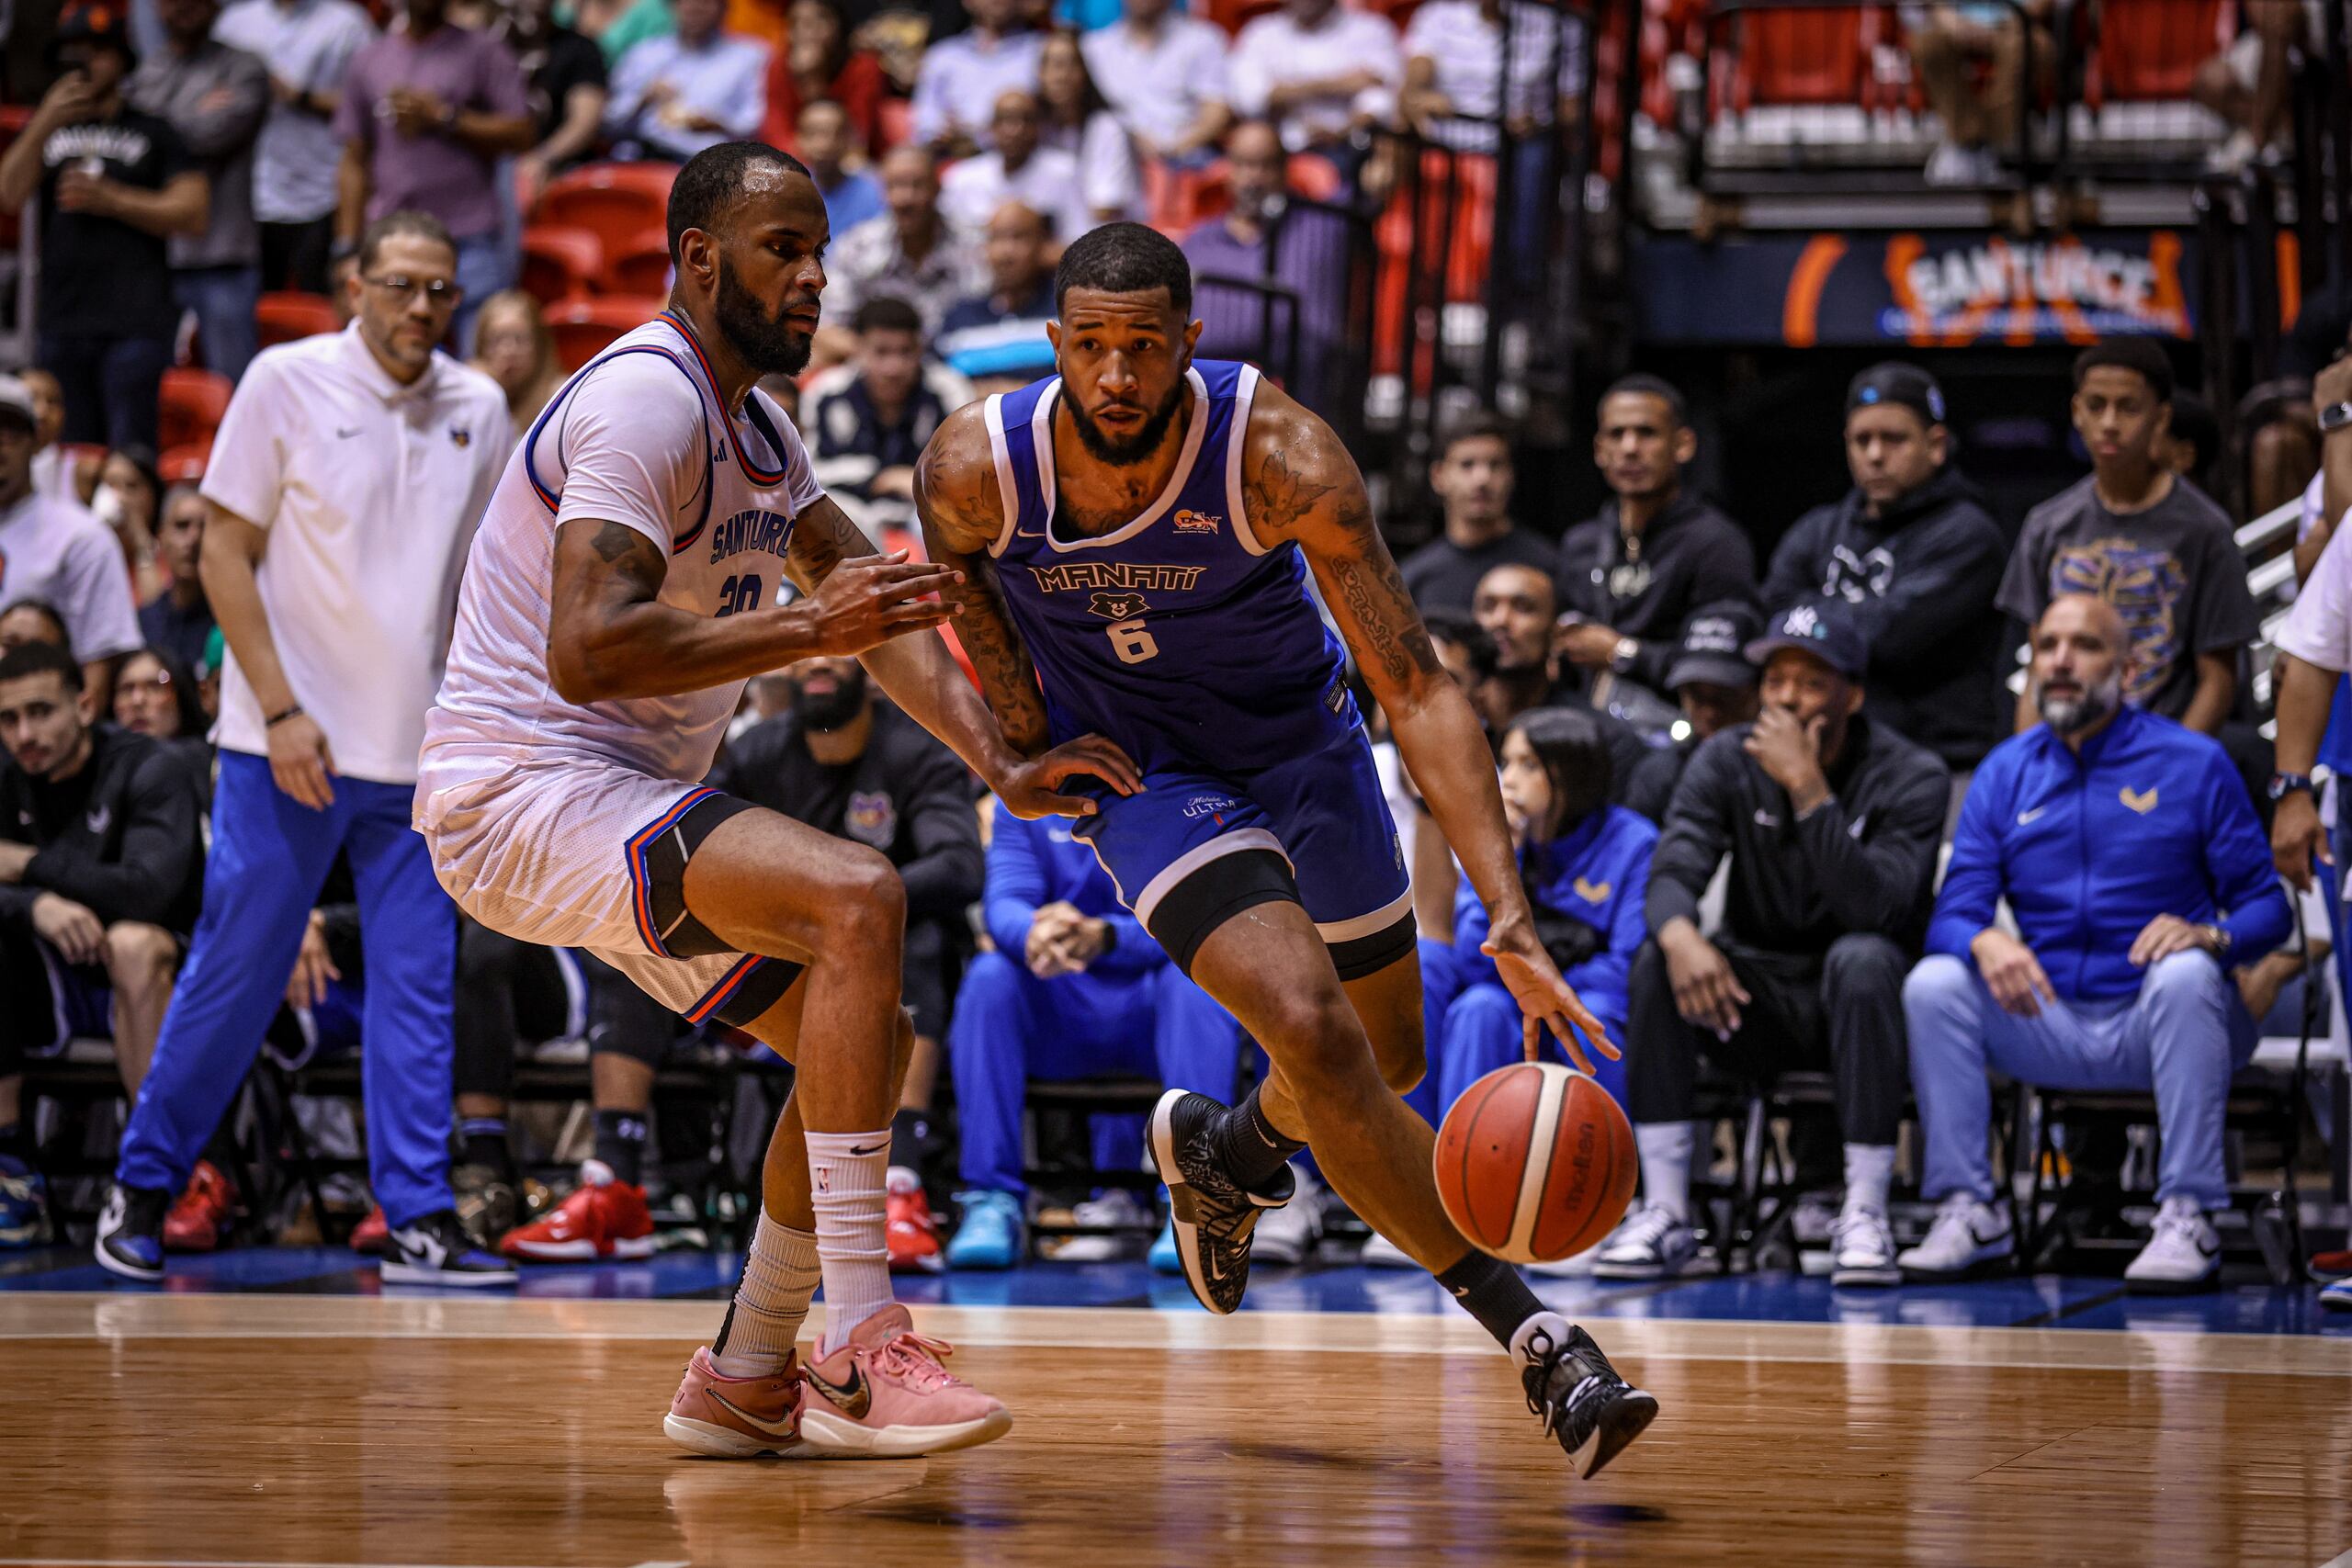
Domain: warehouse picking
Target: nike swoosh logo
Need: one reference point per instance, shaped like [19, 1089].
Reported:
[852, 1399]
[870, 1148]
[2026, 816]
[787, 1427]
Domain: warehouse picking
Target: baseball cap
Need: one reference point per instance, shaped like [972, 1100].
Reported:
[1821, 628]
[94, 21]
[1897, 381]
[1713, 644]
[17, 401]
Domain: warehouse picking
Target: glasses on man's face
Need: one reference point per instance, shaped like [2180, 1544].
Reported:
[439, 292]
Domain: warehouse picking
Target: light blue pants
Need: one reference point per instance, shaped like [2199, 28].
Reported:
[270, 855]
[2183, 1036]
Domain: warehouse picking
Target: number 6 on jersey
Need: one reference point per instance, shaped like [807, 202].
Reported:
[1131, 640]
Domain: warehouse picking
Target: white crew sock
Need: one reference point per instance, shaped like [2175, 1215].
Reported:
[1666, 1149]
[771, 1303]
[1869, 1170]
[847, 1177]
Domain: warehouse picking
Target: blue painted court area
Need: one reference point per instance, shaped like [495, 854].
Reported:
[2046, 1300]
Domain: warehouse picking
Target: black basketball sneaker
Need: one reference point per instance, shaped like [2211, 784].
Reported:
[1593, 1411]
[1212, 1215]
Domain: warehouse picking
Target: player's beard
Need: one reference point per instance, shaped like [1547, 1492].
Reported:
[1135, 448]
[769, 345]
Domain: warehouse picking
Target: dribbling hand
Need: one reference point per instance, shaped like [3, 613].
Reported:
[1545, 998]
[868, 600]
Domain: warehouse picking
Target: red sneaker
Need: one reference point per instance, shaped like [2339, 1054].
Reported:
[913, 1234]
[603, 1218]
[374, 1237]
[196, 1220]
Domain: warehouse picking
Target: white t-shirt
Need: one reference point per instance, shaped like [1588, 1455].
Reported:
[59, 552]
[1108, 180]
[971, 191]
[1465, 49]
[2318, 630]
[636, 438]
[1274, 50]
[369, 491]
[1158, 88]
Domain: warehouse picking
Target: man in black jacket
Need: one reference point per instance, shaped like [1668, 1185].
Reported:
[101, 865]
[1831, 823]
[1914, 551]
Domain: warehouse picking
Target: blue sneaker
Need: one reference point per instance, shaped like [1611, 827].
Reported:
[24, 1204]
[436, 1250]
[1165, 1258]
[2337, 1297]
[991, 1235]
[131, 1232]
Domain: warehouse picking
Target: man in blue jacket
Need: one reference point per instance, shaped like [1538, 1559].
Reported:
[2129, 853]
[1076, 988]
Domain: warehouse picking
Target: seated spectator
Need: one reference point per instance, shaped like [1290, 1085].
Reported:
[1318, 70]
[2251, 84]
[847, 762]
[909, 253]
[818, 63]
[868, 421]
[699, 86]
[1079, 122]
[113, 185]
[1631, 577]
[59, 553]
[1715, 686]
[964, 77]
[101, 865]
[1019, 168]
[54, 470]
[1473, 476]
[2138, 875]
[2193, 445]
[852, 195]
[566, 81]
[32, 620]
[1971, 59]
[1831, 823]
[513, 348]
[159, 696]
[1515, 606]
[1915, 557]
[126, 500]
[1265, 239]
[1163, 74]
[2133, 533]
[179, 618]
[998, 338]
[1075, 988]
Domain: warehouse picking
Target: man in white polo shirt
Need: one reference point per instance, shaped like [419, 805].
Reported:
[53, 550]
[345, 486]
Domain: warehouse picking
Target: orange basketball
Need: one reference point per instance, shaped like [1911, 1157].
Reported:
[1535, 1163]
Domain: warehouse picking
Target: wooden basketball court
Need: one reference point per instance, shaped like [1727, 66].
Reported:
[281, 1429]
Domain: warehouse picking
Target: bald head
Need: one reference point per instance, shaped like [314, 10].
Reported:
[2080, 654]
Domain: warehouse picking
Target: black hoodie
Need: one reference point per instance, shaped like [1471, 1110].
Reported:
[1688, 556]
[120, 837]
[1921, 582]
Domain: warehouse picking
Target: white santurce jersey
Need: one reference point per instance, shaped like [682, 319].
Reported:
[637, 437]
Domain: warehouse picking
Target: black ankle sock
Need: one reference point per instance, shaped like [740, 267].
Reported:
[482, 1140]
[910, 1136]
[1253, 1150]
[620, 1144]
[1491, 1291]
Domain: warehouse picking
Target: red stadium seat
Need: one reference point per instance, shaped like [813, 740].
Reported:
[560, 263]
[1799, 56]
[183, 465]
[639, 266]
[616, 202]
[2149, 50]
[583, 328]
[1466, 248]
[192, 405]
[897, 117]
[283, 318]
[1234, 14]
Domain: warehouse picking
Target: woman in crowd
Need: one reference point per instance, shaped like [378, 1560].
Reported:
[126, 501]
[1078, 121]
[155, 695]
[513, 348]
[820, 64]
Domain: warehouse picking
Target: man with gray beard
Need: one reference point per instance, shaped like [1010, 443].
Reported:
[2140, 878]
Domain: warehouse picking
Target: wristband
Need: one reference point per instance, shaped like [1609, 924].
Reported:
[273, 720]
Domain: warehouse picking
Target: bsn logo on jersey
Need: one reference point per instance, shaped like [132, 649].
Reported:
[1191, 522]
[767, 531]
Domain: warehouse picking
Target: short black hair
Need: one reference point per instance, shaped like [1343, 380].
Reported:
[48, 612]
[1642, 384]
[1471, 425]
[1125, 258]
[391, 225]
[41, 659]
[2194, 421]
[887, 313]
[1466, 634]
[712, 182]
[2142, 356]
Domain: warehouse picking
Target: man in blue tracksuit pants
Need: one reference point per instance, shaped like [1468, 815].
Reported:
[2129, 853]
[1076, 988]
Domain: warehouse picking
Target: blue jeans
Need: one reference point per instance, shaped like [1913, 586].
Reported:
[270, 855]
[110, 384]
[224, 298]
[485, 266]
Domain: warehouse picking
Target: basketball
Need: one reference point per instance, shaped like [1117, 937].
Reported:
[1535, 1163]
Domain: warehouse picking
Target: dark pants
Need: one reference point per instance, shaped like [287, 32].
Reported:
[112, 385]
[509, 991]
[294, 255]
[1842, 1011]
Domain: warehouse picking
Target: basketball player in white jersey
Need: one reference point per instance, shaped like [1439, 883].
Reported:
[624, 585]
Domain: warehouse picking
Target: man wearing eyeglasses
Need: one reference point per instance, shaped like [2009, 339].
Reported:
[342, 492]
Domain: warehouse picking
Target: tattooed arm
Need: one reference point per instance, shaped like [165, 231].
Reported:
[1300, 485]
[955, 495]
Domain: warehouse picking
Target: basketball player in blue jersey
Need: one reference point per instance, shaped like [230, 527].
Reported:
[1134, 536]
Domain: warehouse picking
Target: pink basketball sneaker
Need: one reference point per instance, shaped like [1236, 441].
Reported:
[885, 1396]
[737, 1417]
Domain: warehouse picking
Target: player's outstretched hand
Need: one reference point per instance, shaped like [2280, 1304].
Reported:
[1032, 788]
[868, 600]
[1543, 998]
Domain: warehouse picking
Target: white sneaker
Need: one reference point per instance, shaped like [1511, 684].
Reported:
[1287, 1236]
[1814, 1220]
[1952, 165]
[2232, 155]
[1380, 1253]
[1651, 1244]
[1966, 1236]
[2183, 1254]
[1118, 1209]
[1862, 1250]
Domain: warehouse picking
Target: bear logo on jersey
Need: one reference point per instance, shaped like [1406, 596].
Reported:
[1117, 607]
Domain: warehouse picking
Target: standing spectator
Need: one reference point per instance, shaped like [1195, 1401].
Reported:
[1264, 238]
[2151, 543]
[427, 110]
[868, 421]
[1163, 74]
[999, 334]
[513, 348]
[1634, 574]
[2138, 876]
[563, 77]
[1078, 121]
[1915, 557]
[2251, 84]
[127, 499]
[1017, 168]
[1971, 63]
[820, 64]
[54, 470]
[362, 460]
[852, 195]
[1473, 477]
[1715, 685]
[113, 185]
[1455, 93]
[1831, 823]
[1320, 70]
[694, 88]
[966, 76]
[59, 554]
[909, 253]
[216, 98]
[307, 46]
